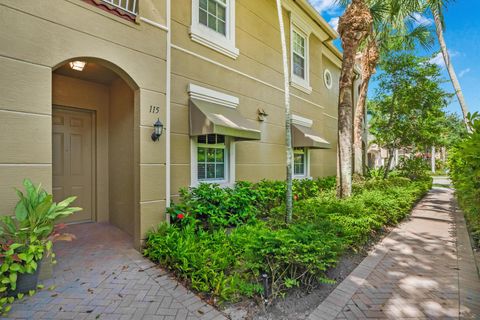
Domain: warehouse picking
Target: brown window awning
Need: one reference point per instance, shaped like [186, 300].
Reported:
[305, 137]
[211, 118]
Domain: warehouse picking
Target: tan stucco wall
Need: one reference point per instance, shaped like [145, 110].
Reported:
[121, 156]
[42, 36]
[256, 78]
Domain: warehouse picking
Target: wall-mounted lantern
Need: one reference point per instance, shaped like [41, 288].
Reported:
[157, 130]
[262, 115]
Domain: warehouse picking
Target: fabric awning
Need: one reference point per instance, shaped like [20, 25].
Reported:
[211, 118]
[305, 137]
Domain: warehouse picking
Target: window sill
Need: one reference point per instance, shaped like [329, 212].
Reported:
[222, 184]
[302, 86]
[223, 46]
[302, 177]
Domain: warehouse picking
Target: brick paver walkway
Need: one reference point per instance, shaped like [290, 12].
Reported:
[101, 276]
[424, 269]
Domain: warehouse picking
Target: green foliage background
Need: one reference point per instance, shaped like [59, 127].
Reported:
[464, 163]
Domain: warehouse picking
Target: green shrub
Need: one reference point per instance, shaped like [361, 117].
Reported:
[464, 164]
[227, 264]
[213, 206]
[415, 168]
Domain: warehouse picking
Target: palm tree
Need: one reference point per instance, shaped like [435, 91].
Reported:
[288, 116]
[392, 31]
[369, 60]
[353, 26]
[436, 7]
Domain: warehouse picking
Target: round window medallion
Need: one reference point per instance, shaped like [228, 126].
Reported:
[327, 77]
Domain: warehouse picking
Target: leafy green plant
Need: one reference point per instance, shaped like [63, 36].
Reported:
[213, 206]
[35, 214]
[226, 264]
[415, 168]
[464, 164]
[27, 236]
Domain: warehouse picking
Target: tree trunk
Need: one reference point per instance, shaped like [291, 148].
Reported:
[288, 117]
[389, 163]
[358, 123]
[433, 160]
[354, 26]
[345, 128]
[449, 65]
[370, 58]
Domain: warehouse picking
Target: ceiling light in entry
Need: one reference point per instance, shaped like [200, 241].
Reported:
[77, 65]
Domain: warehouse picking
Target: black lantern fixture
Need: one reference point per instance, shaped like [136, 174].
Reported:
[157, 130]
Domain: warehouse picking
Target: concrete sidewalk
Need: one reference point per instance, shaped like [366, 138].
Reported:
[424, 269]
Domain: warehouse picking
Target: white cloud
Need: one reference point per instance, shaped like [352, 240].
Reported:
[420, 19]
[329, 6]
[464, 72]
[334, 23]
[439, 61]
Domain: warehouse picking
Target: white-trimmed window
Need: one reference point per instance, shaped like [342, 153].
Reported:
[299, 60]
[299, 55]
[213, 25]
[213, 14]
[300, 162]
[211, 159]
[328, 79]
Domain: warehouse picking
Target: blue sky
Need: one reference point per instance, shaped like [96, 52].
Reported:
[463, 40]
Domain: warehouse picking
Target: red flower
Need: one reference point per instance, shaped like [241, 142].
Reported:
[60, 226]
[180, 216]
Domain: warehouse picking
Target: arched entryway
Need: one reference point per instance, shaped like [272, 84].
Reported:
[93, 142]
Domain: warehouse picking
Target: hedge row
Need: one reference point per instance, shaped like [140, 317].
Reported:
[225, 263]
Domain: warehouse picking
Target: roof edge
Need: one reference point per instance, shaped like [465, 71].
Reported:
[315, 15]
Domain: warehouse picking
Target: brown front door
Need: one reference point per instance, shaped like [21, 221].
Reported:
[72, 140]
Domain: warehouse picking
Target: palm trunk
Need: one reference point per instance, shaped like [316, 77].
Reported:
[345, 114]
[370, 57]
[449, 65]
[288, 117]
[354, 26]
[359, 122]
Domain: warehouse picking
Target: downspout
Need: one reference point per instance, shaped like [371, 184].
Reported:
[167, 108]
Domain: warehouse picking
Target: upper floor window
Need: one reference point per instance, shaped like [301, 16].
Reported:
[299, 56]
[213, 14]
[213, 25]
[125, 5]
[299, 60]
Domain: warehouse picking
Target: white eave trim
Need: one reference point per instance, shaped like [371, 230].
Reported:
[302, 121]
[209, 95]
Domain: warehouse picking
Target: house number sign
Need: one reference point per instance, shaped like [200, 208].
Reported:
[154, 109]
